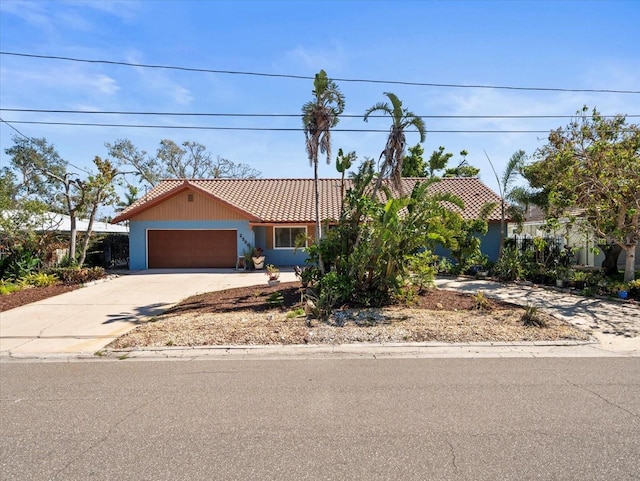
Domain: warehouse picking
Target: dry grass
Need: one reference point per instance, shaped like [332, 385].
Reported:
[388, 325]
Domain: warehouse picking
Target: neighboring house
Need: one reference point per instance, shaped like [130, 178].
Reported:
[571, 230]
[210, 223]
[52, 221]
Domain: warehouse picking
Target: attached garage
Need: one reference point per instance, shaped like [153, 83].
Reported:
[191, 248]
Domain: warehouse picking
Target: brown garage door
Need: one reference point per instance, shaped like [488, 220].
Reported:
[191, 248]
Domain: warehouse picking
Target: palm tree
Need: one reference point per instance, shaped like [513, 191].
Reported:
[393, 153]
[318, 117]
[508, 192]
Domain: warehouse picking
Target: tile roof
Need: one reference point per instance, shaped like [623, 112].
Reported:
[292, 200]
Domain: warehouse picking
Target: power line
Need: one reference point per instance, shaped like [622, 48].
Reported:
[264, 129]
[305, 77]
[210, 114]
[11, 126]
[29, 139]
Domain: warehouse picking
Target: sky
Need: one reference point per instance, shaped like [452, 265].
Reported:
[569, 45]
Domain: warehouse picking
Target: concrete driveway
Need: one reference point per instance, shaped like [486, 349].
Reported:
[85, 320]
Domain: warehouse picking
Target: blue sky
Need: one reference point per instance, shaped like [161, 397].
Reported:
[571, 45]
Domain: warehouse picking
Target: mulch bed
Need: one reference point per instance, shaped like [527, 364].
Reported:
[33, 294]
[254, 298]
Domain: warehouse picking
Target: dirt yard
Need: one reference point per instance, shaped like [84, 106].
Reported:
[248, 316]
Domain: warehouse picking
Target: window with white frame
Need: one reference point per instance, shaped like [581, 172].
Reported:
[285, 237]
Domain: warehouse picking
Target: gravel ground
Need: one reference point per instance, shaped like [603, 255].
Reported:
[243, 317]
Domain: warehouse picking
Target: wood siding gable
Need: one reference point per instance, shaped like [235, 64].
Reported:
[190, 205]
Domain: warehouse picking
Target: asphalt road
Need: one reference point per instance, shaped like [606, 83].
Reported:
[396, 419]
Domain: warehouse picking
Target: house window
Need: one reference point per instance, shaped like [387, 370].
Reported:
[285, 237]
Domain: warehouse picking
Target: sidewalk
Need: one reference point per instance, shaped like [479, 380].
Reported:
[615, 325]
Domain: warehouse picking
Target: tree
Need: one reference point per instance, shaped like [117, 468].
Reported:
[414, 164]
[594, 164]
[508, 191]
[463, 169]
[45, 179]
[98, 190]
[438, 160]
[393, 153]
[130, 196]
[319, 116]
[343, 163]
[394, 232]
[189, 161]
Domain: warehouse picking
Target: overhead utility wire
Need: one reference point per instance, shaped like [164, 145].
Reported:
[306, 77]
[11, 126]
[260, 129]
[29, 139]
[208, 114]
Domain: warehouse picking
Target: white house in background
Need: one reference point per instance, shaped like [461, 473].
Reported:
[52, 221]
[62, 223]
[574, 236]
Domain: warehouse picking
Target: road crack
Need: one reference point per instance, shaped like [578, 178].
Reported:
[599, 396]
[453, 455]
[93, 445]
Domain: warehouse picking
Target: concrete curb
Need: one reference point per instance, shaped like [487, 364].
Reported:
[539, 349]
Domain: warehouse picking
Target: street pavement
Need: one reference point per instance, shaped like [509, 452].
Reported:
[403, 419]
[80, 323]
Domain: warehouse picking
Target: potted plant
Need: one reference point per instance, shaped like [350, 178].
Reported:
[258, 258]
[562, 273]
[580, 278]
[273, 273]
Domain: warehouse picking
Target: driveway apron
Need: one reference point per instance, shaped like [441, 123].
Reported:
[85, 320]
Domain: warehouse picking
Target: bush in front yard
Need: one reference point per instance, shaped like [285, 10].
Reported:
[77, 275]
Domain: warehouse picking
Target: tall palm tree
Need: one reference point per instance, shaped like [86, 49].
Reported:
[393, 153]
[509, 192]
[318, 117]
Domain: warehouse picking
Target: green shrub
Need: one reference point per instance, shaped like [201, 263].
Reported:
[7, 287]
[38, 280]
[532, 317]
[19, 264]
[77, 275]
[481, 301]
[295, 313]
[423, 271]
[510, 266]
[444, 266]
[275, 299]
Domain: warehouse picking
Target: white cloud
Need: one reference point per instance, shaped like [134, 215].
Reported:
[34, 13]
[331, 59]
[182, 95]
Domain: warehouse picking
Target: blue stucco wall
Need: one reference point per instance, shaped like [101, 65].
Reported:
[278, 257]
[138, 237]
[489, 244]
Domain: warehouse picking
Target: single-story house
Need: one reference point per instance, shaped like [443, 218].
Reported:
[571, 230]
[54, 222]
[194, 223]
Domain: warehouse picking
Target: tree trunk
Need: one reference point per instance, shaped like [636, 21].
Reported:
[318, 231]
[73, 232]
[630, 262]
[502, 230]
[87, 236]
[610, 261]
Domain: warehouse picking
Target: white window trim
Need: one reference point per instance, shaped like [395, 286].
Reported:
[287, 227]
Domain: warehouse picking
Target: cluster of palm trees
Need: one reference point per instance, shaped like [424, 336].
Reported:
[322, 113]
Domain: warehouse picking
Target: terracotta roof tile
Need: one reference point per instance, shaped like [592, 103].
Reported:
[292, 200]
